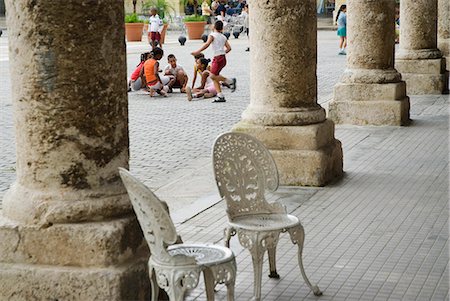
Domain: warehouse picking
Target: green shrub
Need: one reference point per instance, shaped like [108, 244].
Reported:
[194, 18]
[132, 18]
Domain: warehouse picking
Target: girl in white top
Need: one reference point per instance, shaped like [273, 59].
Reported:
[220, 47]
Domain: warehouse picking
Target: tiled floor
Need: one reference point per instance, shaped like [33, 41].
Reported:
[381, 233]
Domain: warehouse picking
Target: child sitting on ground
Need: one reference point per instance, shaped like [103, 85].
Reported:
[196, 58]
[196, 71]
[178, 77]
[137, 79]
[206, 89]
[155, 83]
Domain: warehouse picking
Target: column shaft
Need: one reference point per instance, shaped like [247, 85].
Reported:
[66, 229]
[444, 29]
[283, 110]
[285, 85]
[418, 58]
[370, 91]
[70, 107]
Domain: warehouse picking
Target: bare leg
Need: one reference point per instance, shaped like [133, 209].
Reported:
[182, 79]
[341, 42]
[216, 82]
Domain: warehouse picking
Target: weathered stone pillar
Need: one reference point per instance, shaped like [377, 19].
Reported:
[444, 29]
[371, 91]
[283, 111]
[67, 231]
[418, 59]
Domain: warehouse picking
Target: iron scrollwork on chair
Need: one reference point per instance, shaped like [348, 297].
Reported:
[244, 171]
[176, 267]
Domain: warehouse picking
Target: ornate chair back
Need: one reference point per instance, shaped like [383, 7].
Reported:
[244, 170]
[159, 230]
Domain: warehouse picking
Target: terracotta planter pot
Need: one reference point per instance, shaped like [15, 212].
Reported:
[133, 31]
[195, 29]
[163, 33]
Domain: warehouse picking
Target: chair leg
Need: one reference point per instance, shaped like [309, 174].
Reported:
[209, 284]
[271, 243]
[228, 232]
[231, 267]
[153, 284]
[230, 291]
[298, 236]
[257, 259]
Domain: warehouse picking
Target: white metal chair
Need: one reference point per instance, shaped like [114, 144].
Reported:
[244, 169]
[175, 267]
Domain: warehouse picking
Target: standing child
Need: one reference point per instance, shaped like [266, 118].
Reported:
[220, 47]
[246, 22]
[155, 83]
[206, 88]
[155, 27]
[341, 20]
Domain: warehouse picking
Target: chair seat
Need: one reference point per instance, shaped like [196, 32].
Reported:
[265, 222]
[206, 255]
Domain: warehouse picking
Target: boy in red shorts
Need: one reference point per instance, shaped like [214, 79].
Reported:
[220, 47]
[155, 27]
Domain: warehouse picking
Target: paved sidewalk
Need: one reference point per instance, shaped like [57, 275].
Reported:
[381, 233]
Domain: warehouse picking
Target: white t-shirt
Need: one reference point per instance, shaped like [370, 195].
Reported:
[218, 44]
[156, 24]
[173, 71]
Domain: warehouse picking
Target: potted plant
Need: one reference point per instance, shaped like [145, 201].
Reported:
[165, 10]
[133, 28]
[195, 24]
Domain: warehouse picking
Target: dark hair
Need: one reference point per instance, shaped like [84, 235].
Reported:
[246, 5]
[144, 56]
[157, 51]
[204, 61]
[341, 8]
[171, 56]
[218, 25]
[199, 56]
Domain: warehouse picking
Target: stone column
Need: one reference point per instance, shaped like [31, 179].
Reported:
[418, 58]
[67, 230]
[371, 91]
[444, 29]
[283, 111]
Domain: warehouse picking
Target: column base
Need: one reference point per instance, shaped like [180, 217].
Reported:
[370, 104]
[423, 76]
[306, 155]
[81, 261]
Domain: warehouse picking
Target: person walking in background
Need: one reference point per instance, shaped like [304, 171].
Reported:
[220, 47]
[246, 22]
[341, 20]
[155, 26]
[207, 13]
